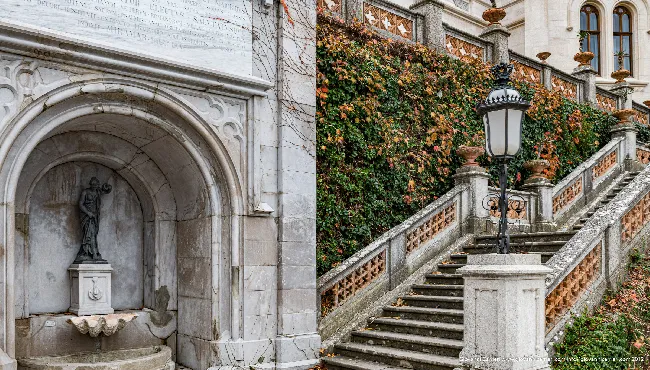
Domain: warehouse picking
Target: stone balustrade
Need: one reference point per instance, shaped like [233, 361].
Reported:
[585, 182]
[580, 272]
[389, 260]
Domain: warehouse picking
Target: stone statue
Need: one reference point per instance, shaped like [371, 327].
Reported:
[90, 204]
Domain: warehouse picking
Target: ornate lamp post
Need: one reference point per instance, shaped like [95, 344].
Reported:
[503, 113]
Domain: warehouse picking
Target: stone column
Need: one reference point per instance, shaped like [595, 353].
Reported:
[547, 72]
[297, 342]
[477, 217]
[588, 75]
[434, 32]
[504, 312]
[6, 362]
[498, 36]
[544, 204]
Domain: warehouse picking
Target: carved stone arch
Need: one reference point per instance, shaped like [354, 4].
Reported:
[158, 107]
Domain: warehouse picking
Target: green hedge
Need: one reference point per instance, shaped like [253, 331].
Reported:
[390, 117]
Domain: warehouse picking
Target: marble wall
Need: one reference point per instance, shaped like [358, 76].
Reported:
[55, 236]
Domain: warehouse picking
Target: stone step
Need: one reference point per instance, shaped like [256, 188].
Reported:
[535, 237]
[537, 246]
[449, 268]
[397, 357]
[349, 363]
[462, 258]
[433, 301]
[445, 315]
[438, 290]
[409, 342]
[444, 279]
[418, 327]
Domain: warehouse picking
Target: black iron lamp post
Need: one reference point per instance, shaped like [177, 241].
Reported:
[503, 113]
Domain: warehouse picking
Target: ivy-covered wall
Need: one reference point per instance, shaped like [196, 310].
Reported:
[390, 118]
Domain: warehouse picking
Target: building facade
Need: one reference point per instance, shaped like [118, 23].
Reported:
[552, 26]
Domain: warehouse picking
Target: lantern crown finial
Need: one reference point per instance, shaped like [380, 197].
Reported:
[502, 72]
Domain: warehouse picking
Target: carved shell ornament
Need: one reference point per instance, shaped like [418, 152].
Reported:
[102, 324]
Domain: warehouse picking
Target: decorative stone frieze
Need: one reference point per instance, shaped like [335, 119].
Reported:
[352, 283]
[526, 73]
[387, 21]
[643, 155]
[463, 49]
[566, 88]
[432, 227]
[566, 294]
[606, 103]
[571, 193]
[605, 164]
[635, 219]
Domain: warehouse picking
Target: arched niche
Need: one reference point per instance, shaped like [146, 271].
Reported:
[183, 179]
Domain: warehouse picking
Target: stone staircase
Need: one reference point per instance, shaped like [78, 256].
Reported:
[423, 330]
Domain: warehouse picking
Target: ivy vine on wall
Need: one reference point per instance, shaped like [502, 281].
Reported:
[390, 116]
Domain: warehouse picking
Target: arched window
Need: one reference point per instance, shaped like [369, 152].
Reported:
[623, 36]
[589, 22]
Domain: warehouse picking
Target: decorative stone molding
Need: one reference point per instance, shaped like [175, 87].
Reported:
[566, 294]
[568, 89]
[331, 5]
[516, 209]
[428, 230]
[571, 193]
[635, 219]
[463, 49]
[526, 73]
[606, 103]
[352, 283]
[643, 155]
[605, 165]
[388, 21]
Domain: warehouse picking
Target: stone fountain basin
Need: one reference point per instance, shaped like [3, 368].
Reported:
[149, 358]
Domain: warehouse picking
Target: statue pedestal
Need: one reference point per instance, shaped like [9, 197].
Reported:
[90, 293]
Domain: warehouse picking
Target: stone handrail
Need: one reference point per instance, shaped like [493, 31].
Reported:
[391, 258]
[577, 188]
[597, 255]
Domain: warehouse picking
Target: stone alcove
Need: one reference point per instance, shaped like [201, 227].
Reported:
[166, 168]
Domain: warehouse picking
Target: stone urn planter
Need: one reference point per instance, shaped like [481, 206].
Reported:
[647, 103]
[621, 75]
[584, 58]
[543, 56]
[470, 153]
[623, 115]
[494, 15]
[537, 167]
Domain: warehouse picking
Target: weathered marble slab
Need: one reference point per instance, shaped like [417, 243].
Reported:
[213, 34]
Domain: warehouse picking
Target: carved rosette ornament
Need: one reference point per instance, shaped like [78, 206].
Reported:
[469, 154]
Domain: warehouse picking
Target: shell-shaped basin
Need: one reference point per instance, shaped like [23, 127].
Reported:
[102, 324]
[149, 358]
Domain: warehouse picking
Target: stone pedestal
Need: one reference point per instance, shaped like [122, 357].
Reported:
[588, 75]
[477, 216]
[544, 203]
[434, 34]
[498, 35]
[90, 293]
[504, 312]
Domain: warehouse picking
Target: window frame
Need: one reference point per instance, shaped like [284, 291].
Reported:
[589, 9]
[621, 33]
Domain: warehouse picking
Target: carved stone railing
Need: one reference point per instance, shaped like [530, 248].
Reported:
[389, 260]
[565, 84]
[392, 20]
[466, 46]
[606, 100]
[526, 69]
[643, 153]
[580, 272]
[641, 113]
[581, 185]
